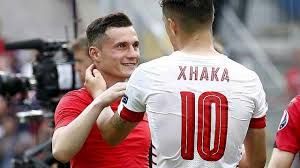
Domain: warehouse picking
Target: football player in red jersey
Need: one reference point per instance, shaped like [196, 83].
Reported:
[114, 50]
[287, 141]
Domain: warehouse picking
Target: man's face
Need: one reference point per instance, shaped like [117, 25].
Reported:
[82, 61]
[119, 52]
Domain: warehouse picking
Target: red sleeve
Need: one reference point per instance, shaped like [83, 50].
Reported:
[131, 116]
[288, 135]
[258, 122]
[70, 106]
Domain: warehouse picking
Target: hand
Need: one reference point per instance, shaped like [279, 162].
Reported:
[111, 94]
[94, 81]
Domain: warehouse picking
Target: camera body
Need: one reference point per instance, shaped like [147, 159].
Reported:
[53, 75]
[53, 72]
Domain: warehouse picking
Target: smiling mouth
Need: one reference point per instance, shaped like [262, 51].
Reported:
[129, 64]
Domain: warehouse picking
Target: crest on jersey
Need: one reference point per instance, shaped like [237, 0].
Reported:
[125, 99]
[284, 120]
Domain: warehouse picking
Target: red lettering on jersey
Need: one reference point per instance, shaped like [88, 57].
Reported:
[193, 72]
[204, 74]
[225, 75]
[188, 125]
[182, 73]
[204, 125]
[205, 102]
[214, 73]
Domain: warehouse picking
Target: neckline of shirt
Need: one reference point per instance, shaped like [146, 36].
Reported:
[184, 54]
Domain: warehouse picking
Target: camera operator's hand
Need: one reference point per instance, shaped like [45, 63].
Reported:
[94, 81]
[111, 94]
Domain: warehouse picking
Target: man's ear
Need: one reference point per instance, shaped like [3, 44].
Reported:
[173, 26]
[94, 53]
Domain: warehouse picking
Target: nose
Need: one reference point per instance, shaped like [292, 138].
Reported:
[134, 52]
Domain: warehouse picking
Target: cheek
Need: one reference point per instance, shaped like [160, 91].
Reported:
[117, 58]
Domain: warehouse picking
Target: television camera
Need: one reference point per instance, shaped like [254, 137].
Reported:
[53, 75]
[53, 72]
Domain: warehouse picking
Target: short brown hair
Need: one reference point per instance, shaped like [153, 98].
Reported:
[190, 14]
[96, 30]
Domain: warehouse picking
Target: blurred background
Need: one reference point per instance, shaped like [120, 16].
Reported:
[262, 35]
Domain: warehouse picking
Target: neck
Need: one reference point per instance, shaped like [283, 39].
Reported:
[199, 43]
[111, 80]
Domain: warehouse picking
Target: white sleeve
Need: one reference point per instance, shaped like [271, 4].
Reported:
[134, 98]
[261, 105]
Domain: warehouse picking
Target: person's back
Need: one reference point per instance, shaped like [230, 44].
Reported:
[210, 99]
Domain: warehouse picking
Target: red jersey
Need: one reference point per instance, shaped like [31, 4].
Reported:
[288, 135]
[95, 153]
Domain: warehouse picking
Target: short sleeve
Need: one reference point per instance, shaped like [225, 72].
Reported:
[261, 107]
[288, 134]
[133, 102]
[69, 107]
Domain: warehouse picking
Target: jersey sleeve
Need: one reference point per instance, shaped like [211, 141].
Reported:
[288, 134]
[133, 105]
[68, 108]
[259, 115]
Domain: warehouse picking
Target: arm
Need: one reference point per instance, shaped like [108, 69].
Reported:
[113, 128]
[255, 149]
[68, 140]
[287, 137]
[255, 140]
[281, 159]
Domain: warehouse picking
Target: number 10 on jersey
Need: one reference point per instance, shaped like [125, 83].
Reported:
[205, 102]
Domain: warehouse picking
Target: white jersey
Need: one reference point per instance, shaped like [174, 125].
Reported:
[199, 108]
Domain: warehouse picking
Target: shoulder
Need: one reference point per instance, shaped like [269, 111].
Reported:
[291, 115]
[149, 68]
[80, 96]
[70, 106]
[81, 93]
[294, 106]
[241, 68]
[154, 63]
[241, 72]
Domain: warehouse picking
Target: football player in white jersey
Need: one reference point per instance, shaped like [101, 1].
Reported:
[201, 106]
